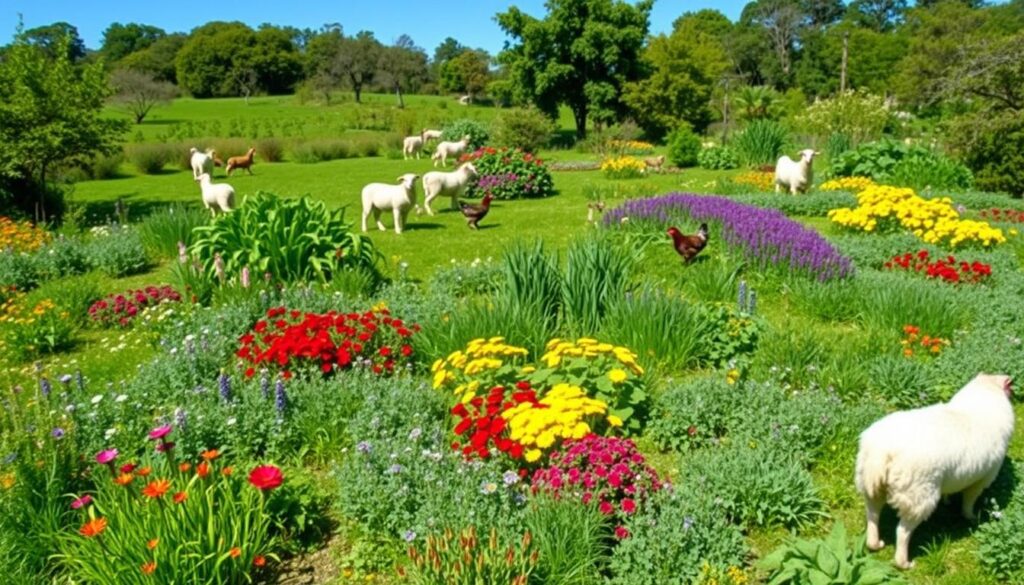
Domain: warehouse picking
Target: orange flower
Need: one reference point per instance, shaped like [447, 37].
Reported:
[180, 497]
[235, 552]
[227, 471]
[124, 479]
[156, 489]
[210, 455]
[259, 561]
[144, 471]
[93, 527]
[148, 567]
[908, 352]
[184, 467]
[203, 469]
[152, 543]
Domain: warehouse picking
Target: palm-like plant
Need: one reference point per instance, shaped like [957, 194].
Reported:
[757, 102]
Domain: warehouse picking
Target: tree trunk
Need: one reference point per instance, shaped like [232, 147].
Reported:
[398, 92]
[41, 209]
[579, 112]
[358, 89]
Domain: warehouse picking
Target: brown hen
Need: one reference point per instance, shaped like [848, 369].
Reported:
[688, 246]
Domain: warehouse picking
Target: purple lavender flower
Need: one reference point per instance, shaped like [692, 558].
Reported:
[742, 300]
[57, 433]
[265, 384]
[280, 398]
[395, 469]
[224, 382]
[80, 380]
[180, 419]
[753, 302]
[45, 387]
[409, 536]
[364, 447]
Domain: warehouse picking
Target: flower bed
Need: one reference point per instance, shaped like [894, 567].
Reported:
[509, 174]
[21, 236]
[1005, 215]
[947, 269]
[913, 342]
[121, 309]
[757, 180]
[623, 167]
[853, 184]
[293, 341]
[765, 237]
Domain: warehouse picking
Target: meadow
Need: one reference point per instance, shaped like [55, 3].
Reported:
[719, 401]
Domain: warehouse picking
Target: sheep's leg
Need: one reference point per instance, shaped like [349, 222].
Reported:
[971, 494]
[426, 202]
[366, 214]
[397, 213]
[455, 202]
[376, 217]
[778, 188]
[903, 531]
[874, 511]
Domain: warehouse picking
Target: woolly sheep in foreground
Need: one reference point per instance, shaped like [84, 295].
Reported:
[449, 149]
[219, 197]
[453, 184]
[412, 145]
[795, 176]
[201, 162]
[912, 458]
[398, 199]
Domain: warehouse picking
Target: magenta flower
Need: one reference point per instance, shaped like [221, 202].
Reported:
[106, 457]
[160, 432]
[81, 502]
[164, 447]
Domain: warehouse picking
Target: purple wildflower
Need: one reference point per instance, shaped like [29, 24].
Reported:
[224, 382]
[57, 433]
[45, 387]
[280, 398]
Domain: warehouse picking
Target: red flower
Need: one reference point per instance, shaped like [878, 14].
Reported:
[180, 497]
[266, 477]
[606, 508]
[628, 506]
[621, 532]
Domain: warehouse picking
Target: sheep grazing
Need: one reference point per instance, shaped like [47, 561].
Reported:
[796, 176]
[655, 162]
[453, 184]
[219, 197]
[449, 149]
[594, 208]
[399, 199]
[241, 162]
[431, 135]
[412, 145]
[465, 100]
[202, 162]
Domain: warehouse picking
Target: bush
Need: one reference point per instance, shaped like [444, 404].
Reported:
[121, 309]
[270, 150]
[993, 147]
[292, 239]
[477, 132]
[321, 150]
[1001, 539]
[526, 129]
[19, 270]
[683, 147]
[162, 231]
[718, 158]
[149, 159]
[889, 161]
[32, 326]
[62, 257]
[119, 253]
[828, 560]
[762, 143]
[105, 166]
[857, 115]
[509, 174]
[570, 538]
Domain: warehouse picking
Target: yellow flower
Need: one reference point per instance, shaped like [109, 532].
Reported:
[732, 375]
[7, 481]
[614, 421]
[617, 376]
[533, 455]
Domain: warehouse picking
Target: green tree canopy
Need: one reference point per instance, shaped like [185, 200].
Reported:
[159, 58]
[59, 36]
[580, 54]
[468, 72]
[121, 40]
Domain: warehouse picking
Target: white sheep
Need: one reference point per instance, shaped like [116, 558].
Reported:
[796, 176]
[431, 135]
[201, 162]
[219, 197]
[449, 149]
[399, 199]
[465, 100]
[453, 184]
[412, 145]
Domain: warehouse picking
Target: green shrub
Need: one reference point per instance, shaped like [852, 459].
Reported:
[321, 150]
[858, 115]
[1001, 538]
[828, 560]
[509, 174]
[901, 382]
[718, 158]
[161, 231]
[119, 253]
[270, 150]
[597, 274]
[62, 257]
[761, 143]
[477, 132]
[292, 239]
[931, 172]
[18, 270]
[675, 537]
[527, 129]
[570, 538]
[889, 161]
[74, 294]
[105, 166]
[993, 147]
[683, 146]
[837, 144]
[149, 159]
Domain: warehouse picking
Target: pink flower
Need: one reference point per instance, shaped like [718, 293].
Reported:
[160, 432]
[606, 508]
[265, 477]
[628, 506]
[621, 532]
[105, 457]
[81, 502]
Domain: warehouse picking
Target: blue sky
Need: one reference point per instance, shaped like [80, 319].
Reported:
[427, 22]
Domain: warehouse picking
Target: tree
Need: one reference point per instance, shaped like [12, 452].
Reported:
[51, 38]
[158, 58]
[225, 59]
[402, 65]
[50, 114]
[879, 15]
[580, 54]
[781, 20]
[684, 69]
[989, 72]
[121, 40]
[139, 92]
[467, 73]
[757, 102]
[355, 60]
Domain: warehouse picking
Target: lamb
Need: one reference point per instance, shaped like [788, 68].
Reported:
[431, 135]
[219, 197]
[241, 162]
[912, 458]
[202, 162]
[453, 184]
[412, 145]
[796, 176]
[449, 149]
[399, 199]
[655, 162]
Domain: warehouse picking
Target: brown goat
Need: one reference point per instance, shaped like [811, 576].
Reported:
[655, 162]
[241, 162]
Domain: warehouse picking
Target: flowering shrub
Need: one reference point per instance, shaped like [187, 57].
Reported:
[27, 330]
[122, 308]
[469, 559]
[21, 236]
[1006, 215]
[757, 180]
[887, 209]
[855, 184]
[623, 167]
[482, 424]
[913, 342]
[766, 237]
[293, 340]
[484, 364]
[948, 269]
[630, 147]
[509, 174]
[565, 412]
[165, 520]
[608, 471]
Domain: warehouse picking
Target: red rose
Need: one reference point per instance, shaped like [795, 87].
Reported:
[265, 477]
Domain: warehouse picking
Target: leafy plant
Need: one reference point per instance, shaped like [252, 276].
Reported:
[149, 159]
[597, 274]
[118, 253]
[526, 129]
[570, 540]
[855, 115]
[464, 557]
[162, 230]
[761, 143]
[684, 146]
[718, 158]
[477, 132]
[828, 560]
[509, 174]
[292, 239]
[890, 161]
[62, 257]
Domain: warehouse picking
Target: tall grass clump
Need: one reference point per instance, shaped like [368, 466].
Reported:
[532, 279]
[325, 149]
[149, 159]
[105, 166]
[716, 279]
[596, 275]
[162, 230]
[761, 143]
[270, 150]
[655, 323]
[570, 538]
[890, 303]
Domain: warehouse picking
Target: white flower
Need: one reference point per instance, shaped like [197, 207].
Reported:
[109, 433]
[121, 398]
[96, 399]
[231, 421]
